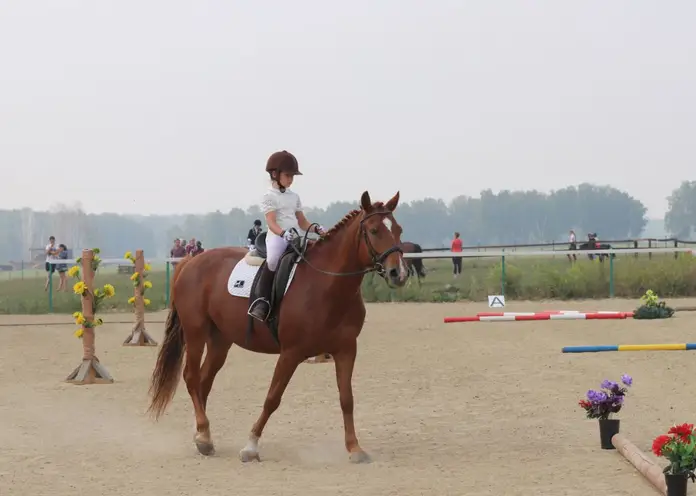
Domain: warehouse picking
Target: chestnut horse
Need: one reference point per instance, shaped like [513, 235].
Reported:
[322, 312]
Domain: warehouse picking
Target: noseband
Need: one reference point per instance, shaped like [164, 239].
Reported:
[377, 259]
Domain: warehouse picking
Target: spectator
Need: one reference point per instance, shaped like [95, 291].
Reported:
[456, 261]
[62, 268]
[191, 246]
[253, 233]
[573, 245]
[198, 249]
[177, 251]
[51, 252]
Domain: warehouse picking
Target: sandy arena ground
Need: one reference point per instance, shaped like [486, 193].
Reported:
[445, 409]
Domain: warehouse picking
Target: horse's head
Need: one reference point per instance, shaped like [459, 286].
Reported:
[381, 236]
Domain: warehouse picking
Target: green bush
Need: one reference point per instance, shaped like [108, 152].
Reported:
[547, 278]
[652, 307]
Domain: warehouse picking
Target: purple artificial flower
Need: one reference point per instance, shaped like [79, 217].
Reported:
[609, 399]
[611, 385]
[596, 396]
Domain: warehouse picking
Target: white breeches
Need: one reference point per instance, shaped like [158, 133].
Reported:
[275, 247]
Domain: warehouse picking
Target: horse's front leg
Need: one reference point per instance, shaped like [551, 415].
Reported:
[285, 368]
[345, 361]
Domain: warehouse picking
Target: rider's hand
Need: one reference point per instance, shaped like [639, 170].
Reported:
[319, 230]
[288, 235]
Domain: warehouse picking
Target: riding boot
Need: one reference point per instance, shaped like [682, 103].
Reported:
[261, 307]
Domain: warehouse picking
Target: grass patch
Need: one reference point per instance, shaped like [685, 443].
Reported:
[526, 278]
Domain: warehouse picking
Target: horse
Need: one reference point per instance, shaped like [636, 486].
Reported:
[414, 265]
[321, 311]
[592, 244]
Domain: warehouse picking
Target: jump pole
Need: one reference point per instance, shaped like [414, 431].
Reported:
[641, 462]
[630, 347]
[139, 336]
[90, 371]
[554, 312]
[540, 316]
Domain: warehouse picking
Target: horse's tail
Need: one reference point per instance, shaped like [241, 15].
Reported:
[177, 272]
[165, 377]
[167, 373]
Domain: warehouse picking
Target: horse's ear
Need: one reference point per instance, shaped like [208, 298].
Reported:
[391, 204]
[365, 202]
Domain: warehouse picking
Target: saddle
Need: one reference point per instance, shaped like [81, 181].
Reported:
[280, 280]
[260, 245]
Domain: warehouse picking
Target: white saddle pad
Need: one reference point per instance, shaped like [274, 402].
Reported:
[242, 277]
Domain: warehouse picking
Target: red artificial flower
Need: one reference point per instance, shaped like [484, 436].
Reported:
[682, 431]
[659, 444]
[585, 404]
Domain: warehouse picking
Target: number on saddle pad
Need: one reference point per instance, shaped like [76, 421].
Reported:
[242, 277]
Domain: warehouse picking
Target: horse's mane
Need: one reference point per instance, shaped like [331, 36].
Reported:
[342, 223]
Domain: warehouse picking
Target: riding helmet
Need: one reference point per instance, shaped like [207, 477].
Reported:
[283, 161]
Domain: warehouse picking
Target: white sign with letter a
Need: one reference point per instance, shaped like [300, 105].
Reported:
[496, 301]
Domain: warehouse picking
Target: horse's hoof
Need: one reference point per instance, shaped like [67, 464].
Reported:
[205, 449]
[360, 457]
[249, 456]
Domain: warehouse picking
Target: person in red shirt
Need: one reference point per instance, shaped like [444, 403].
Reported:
[457, 261]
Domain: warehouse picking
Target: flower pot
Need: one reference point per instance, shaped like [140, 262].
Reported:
[607, 429]
[676, 484]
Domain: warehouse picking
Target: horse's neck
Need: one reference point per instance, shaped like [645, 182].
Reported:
[339, 254]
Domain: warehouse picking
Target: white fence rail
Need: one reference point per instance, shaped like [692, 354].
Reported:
[542, 253]
[450, 254]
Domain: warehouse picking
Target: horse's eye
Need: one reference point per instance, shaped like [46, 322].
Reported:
[374, 230]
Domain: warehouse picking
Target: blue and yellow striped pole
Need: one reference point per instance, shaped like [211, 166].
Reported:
[631, 347]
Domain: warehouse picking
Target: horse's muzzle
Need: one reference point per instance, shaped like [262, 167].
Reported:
[397, 276]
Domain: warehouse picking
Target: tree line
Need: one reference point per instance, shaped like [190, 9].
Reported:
[508, 217]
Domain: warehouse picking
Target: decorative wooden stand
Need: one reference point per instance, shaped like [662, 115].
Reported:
[90, 371]
[139, 336]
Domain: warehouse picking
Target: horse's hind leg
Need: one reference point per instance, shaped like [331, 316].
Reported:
[192, 376]
[215, 358]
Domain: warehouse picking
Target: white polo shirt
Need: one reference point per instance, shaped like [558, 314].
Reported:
[50, 246]
[285, 206]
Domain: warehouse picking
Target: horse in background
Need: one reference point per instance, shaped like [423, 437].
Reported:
[593, 244]
[414, 265]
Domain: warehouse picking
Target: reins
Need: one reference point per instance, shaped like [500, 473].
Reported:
[377, 259]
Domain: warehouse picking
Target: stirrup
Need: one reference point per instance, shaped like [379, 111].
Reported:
[255, 307]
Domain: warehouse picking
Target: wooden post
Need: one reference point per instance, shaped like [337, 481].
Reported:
[90, 371]
[139, 336]
[641, 462]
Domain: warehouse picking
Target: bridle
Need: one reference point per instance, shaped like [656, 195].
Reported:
[376, 258]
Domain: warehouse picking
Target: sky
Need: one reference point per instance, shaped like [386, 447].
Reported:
[174, 106]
